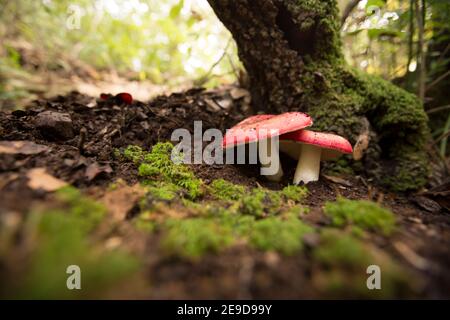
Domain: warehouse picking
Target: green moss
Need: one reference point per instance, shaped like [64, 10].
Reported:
[84, 212]
[345, 96]
[164, 191]
[277, 234]
[411, 170]
[365, 214]
[344, 260]
[62, 238]
[225, 190]
[261, 202]
[216, 228]
[144, 222]
[295, 211]
[194, 237]
[210, 226]
[337, 248]
[253, 204]
[294, 193]
[134, 154]
[158, 164]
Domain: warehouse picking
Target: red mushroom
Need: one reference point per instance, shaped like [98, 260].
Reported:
[124, 97]
[105, 96]
[309, 148]
[261, 129]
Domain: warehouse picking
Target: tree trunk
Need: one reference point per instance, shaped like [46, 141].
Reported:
[291, 50]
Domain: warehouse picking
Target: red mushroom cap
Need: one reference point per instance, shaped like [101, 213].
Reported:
[125, 97]
[324, 140]
[105, 96]
[265, 126]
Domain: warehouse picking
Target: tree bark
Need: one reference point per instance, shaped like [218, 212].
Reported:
[292, 52]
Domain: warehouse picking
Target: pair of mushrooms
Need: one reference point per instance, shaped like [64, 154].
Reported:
[305, 146]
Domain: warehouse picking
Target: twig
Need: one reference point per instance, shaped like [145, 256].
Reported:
[442, 136]
[435, 82]
[437, 109]
[205, 77]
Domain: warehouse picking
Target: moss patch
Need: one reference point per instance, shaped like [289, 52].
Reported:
[263, 218]
[343, 261]
[361, 213]
[280, 235]
[224, 190]
[195, 237]
[62, 238]
[158, 165]
[294, 193]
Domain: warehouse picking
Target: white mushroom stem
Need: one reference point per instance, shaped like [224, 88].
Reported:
[269, 156]
[308, 166]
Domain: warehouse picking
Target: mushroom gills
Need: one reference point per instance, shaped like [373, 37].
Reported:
[308, 166]
[269, 158]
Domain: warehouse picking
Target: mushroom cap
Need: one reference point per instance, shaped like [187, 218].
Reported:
[332, 144]
[265, 126]
[125, 97]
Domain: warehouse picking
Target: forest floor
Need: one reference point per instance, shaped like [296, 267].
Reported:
[195, 231]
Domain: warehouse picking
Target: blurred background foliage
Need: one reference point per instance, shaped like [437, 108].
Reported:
[168, 42]
[173, 44]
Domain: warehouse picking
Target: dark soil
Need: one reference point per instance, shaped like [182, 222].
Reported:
[84, 157]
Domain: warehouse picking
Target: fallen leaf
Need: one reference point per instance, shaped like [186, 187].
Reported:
[211, 105]
[38, 178]
[426, 203]
[122, 199]
[6, 178]
[362, 143]
[237, 93]
[412, 257]
[338, 180]
[94, 169]
[21, 147]
[225, 103]
[360, 146]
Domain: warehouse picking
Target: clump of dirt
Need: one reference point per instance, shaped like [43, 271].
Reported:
[79, 139]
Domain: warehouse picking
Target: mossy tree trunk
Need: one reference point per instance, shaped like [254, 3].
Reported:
[291, 50]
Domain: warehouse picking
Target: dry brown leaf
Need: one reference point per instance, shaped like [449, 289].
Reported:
[338, 180]
[237, 93]
[362, 143]
[122, 199]
[360, 146]
[21, 147]
[38, 178]
[6, 178]
[412, 257]
[94, 169]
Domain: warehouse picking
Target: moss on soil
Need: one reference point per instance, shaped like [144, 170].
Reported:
[360, 213]
[344, 260]
[228, 214]
[62, 237]
[157, 165]
[265, 219]
[224, 190]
